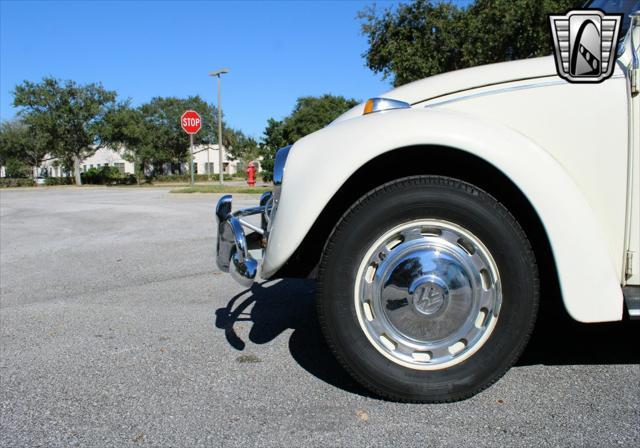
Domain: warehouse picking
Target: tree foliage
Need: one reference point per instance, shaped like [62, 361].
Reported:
[22, 148]
[309, 115]
[124, 129]
[67, 113]
[313, 113]
[426, 37]
[240, 146]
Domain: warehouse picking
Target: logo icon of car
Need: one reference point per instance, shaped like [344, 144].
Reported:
[585, 44]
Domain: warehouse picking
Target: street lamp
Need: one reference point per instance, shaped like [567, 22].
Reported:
[219, 74]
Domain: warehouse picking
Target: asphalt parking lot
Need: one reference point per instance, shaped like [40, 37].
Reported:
[117, 329]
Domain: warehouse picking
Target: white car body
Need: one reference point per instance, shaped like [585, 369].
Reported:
[571, 149]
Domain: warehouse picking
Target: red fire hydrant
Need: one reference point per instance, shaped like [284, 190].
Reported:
[251, 175]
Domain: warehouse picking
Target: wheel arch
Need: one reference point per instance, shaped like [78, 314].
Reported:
[426, 160]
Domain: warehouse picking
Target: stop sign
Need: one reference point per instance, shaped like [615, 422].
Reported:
[191, 122]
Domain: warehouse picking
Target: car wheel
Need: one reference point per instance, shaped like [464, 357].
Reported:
[427, 290]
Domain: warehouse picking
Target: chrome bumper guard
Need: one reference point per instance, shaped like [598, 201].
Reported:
[232, 251]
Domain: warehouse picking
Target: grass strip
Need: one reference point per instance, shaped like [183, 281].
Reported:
[221, 189]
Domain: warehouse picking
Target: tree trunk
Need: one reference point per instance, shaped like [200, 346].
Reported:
[139, 170]
[76, 169]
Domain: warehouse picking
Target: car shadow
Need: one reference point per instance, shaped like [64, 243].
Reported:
[560, 340]
[273, 307]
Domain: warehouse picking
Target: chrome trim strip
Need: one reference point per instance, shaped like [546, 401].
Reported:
[482, 86]
[504, 90]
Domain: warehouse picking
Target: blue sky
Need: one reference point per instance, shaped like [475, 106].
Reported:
[276, 51]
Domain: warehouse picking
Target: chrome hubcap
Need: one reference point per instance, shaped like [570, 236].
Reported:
[428, 294]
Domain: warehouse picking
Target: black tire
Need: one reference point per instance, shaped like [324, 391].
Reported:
[404, 200]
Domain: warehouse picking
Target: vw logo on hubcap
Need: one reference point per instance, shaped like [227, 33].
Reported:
[428, 297]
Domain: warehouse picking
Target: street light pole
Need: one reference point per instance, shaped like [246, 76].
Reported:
[220, 156]
[219, 73]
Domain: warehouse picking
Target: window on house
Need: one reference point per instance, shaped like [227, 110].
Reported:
[84, 168]
[195, 168]
[120, 167]
[209, 167]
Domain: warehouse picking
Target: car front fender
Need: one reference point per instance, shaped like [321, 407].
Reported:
[320, 163]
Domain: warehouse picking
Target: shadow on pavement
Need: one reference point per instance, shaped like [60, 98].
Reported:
[560, 340]
[274, 307]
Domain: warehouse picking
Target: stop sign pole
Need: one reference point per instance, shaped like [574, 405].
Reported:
[191, 124]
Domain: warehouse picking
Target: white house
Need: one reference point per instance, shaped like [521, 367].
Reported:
[205, 159]
[108, 157]
[51, 166]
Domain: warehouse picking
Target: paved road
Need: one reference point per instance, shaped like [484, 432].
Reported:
[116, 329]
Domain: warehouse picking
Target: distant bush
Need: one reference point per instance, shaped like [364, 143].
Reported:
[185, 178]
[267, 169]
[128, 179]
[59, 181]
[100, 176]
[7, 182]
[107, 175]
[267, 176]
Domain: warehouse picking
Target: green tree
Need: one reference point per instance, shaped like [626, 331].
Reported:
[22, 149]
[162, 119]
[309, 115]
[313, 113]
[239, 146]
[426, 37]
[125, 129]
[272, 139]
[67, 113]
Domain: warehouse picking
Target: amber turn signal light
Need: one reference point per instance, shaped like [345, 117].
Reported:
[382, 104]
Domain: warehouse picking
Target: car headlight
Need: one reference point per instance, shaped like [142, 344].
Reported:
[278, 165]
[278, 174]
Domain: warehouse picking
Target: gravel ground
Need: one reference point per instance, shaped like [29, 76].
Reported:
[116, 329]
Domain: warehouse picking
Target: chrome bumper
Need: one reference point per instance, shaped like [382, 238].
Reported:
[232, 251]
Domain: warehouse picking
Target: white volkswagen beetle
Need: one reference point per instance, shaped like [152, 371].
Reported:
[433, 217]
